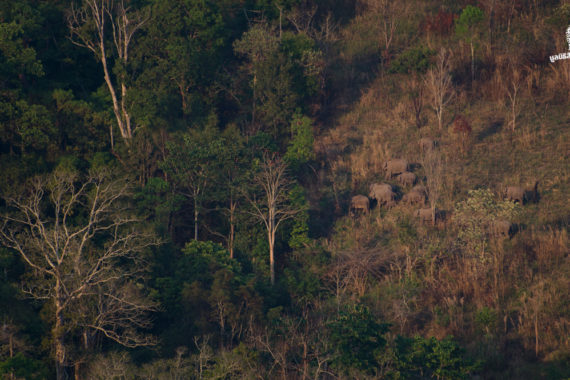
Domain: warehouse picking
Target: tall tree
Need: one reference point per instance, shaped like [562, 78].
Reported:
[190, 165]
[469, 25]
[73, 232]
[284, 73]
[178, 59]
[439, 85]
[273, 206]
[232, 176]
[89, 27]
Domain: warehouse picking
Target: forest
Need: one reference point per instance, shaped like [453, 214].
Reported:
[284, 189]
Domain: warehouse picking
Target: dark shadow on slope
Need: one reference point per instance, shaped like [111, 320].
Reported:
[494, 127]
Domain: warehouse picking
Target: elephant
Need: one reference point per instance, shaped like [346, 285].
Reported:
[416, 196]
[425, 215]
[427, 144]
[420, 189]
[515, 193]
[359, 203]
[501, 228]
[407, 179]
[383, 193]
[395, 166]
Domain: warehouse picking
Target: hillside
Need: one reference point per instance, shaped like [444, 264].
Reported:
[290, 189]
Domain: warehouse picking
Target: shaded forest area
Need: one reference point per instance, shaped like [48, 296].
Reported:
[284, 189]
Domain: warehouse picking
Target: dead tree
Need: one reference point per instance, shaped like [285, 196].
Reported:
[439, 85]
[72, 233]
[273, 206]
[512, 90]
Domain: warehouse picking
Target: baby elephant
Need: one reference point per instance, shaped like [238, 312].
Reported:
[502, 228]
[425, 215]
[407, 179]
[359, 203]
[416, 196]
[427, 144]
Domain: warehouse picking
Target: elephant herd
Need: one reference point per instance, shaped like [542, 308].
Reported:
[385, 194]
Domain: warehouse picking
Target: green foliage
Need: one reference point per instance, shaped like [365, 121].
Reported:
[175, 63]
[358, 338]
[475, 217]
[202, 255]
[413, 60]
[283, 73]
[300, 230]
[432, 358]
[204, 291]
[486, 318]
[191, 163]
[300, 149]
[470, 19]
[24, 367]
[560, 17]
[15, 57]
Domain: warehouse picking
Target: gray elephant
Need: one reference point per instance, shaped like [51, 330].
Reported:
[425, 215]
[515, 193]
[383, 193]
[501, 228]
[395, 166]
[407, 179]
[359, 203]
[417, 195]
[427, 144]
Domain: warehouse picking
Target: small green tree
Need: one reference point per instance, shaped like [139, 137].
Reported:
[358, 338]
[470, 26]
[300, 149]
[475, 217]
[421, 357]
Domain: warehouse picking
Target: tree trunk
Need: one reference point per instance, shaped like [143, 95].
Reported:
[305, 360]
[231, 238]
[271, 236]
[195, 219]
[271, 256]
[58, 334]
[113, 93]
[472, 63]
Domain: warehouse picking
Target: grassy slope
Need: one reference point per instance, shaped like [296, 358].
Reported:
[374, 123]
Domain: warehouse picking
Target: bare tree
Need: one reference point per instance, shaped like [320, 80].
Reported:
[439, 85]
[72, 233]
[390, 13]
[512, 90]
[273, 206]
[88, 25]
